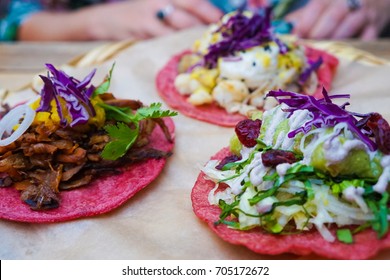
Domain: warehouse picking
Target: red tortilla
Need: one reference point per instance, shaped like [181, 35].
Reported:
[366, 243]
[211, 113]
[215, 114]
[101, 196]
[327, 70]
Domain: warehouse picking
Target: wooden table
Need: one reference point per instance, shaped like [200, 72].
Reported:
[131, 231]
[19, 61]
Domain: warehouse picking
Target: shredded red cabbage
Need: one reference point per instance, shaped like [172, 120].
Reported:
[75, 93]
[240, 33]
[325, 113]
[313, 66]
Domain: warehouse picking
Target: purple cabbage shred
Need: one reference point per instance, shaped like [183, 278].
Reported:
[75, 93]
[325, 113]
[240, 33]
[313, 66]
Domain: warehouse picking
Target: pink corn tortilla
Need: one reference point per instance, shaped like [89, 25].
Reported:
[366, 243]
[208, 113]
[100, 196]
[215, 114]
[326, 71]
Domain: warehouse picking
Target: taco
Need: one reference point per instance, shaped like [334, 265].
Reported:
[77, 151]
[305, 177]
[237, 61]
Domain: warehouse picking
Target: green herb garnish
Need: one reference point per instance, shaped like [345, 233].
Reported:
[124, 136]
[103, 88]
[381, 211]
[227, 209]
[344, 235]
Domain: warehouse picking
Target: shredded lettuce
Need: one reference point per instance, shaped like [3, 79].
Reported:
[325, 112]
[302, 196]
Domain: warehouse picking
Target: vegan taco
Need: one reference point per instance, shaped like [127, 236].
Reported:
[238, 60]
[307, 176]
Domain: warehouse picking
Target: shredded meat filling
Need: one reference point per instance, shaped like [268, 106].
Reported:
[47, 160]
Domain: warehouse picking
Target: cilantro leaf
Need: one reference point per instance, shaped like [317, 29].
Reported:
[123, 138]
[153, 112]
[103, 87]
[126, 115]
[117, 113]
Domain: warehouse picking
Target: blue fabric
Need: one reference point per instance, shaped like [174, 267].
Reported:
[14, 12]
[229, 5]
[18, 11]
[296, 4]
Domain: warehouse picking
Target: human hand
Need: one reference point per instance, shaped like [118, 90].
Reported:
[137, 18]
[332, 19]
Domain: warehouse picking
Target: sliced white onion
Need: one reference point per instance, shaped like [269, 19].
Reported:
[11, 119]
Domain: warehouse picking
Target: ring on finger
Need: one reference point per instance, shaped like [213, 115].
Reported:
[354, 5]
[165, 12]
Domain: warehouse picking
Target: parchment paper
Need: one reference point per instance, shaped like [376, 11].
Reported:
[158, 223]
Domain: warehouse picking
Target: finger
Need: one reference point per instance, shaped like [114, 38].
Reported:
[201, 9]
[180, 19]
[369, 33]
[305, 18]
[157, 28]
[350, 26]
[328, 21]
[294, 16]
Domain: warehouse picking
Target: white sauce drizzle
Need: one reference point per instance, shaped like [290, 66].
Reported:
[257, 174]
[384, 179]
[249, 66]
[297, 119]
[325, 208]
[280, 139]
[277, 117]
[265, 205]
[354, 194]
[282, 168]
[335, 151]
